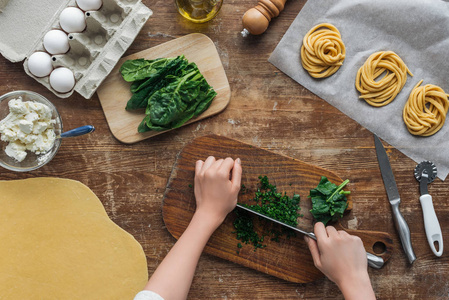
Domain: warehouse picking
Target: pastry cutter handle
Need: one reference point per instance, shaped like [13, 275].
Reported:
[431, 224]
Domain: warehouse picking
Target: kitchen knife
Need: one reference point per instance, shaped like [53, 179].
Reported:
[374, 261]
[395, 200]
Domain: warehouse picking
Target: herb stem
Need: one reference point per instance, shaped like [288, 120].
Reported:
[339, 188]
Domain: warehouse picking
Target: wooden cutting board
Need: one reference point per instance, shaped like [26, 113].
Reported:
[115, 92]
[289, 259]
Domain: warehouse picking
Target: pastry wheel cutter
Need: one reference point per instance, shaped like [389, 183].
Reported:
[425, 173]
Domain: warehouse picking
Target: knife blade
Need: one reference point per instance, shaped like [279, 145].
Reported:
[374, 261]
[394, 199]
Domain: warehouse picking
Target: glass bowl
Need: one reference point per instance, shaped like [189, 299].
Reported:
[32, 161]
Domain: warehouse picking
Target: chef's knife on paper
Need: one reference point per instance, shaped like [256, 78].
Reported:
[374, 261]
[395, 200]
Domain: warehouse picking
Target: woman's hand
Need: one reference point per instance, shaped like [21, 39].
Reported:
[216, 195]
[342, 258]
[216, 187]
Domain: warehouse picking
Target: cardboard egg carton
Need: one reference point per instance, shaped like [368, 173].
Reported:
[93, 53]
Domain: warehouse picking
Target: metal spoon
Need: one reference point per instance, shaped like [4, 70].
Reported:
[77, 132]
[425, 173]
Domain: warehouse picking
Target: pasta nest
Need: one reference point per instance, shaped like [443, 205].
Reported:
[381, 92]
[426, 108]
[322, 51]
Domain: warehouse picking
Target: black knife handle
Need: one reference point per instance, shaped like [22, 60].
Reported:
[404, 231]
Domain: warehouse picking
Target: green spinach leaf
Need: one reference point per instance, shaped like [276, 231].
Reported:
[138, 69]
[329, 201]
[171, 89]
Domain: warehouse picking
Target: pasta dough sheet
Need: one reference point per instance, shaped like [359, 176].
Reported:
[414, 29]
[59, 243]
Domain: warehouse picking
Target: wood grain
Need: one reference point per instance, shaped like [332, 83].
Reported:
[114, 92]
[269, 110]
[289, 259]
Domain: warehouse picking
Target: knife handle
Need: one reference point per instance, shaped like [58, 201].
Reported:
[404, 232]
[374, 261]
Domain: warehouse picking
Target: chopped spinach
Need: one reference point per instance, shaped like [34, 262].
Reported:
[171, 89]
[329, 201]
[244, 228]
[271, 203]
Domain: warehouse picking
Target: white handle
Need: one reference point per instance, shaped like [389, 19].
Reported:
[433, 229]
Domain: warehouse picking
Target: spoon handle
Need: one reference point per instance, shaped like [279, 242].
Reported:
[78, 131]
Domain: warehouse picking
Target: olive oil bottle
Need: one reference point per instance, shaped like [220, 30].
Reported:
[198, 11]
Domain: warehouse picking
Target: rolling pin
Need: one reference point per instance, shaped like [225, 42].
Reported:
[256, 19]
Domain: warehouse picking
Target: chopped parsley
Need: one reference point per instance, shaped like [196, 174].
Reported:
[270, 202]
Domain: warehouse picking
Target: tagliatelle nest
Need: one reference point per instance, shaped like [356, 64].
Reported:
[322, 51]
[425, 110]
[383, 91]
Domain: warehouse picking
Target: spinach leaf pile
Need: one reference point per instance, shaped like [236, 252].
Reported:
[171, 89]
[270, 202]
[329, 201]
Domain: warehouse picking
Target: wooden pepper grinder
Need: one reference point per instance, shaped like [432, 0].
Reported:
[256, 19]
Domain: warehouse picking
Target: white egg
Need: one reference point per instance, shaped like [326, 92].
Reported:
[39, 64]
[89, 4]
[56, 42]
[72, 20]
[62, 80]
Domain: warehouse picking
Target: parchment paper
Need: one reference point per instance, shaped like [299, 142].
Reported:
[417, 30]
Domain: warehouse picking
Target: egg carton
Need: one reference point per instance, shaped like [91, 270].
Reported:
[93, 53]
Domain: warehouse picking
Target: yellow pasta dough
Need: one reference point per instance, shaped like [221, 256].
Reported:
[425, 110]
[383, 91]
[57, 242]
[322, 51]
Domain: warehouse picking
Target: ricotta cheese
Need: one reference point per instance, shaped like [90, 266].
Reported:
[28, 126]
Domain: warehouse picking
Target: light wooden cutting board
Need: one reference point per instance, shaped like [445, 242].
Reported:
[290, 259]
[115, 92]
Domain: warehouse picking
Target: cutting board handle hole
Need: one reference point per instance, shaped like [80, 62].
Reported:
[379, 248]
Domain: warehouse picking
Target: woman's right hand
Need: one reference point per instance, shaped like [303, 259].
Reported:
[342, 258]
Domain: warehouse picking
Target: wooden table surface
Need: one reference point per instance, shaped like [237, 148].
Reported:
[267, 109]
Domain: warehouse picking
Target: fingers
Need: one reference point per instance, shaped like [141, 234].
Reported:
[237, 175]
[227, 165]
[343, 233]
[223, 166]
[218, 164]
[320, 231]
[313, 247]
[331, 231]
[199, 164]
[209, 161]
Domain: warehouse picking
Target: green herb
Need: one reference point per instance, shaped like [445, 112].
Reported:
[244, 227]
[271, 203]
[243, 189]
[190, 186]
[329, 201]
[156, 72]
[138, 69]
[171, 89]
